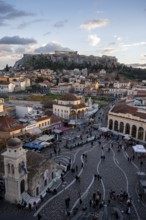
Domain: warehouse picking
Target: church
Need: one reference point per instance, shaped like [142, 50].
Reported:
[26, 174]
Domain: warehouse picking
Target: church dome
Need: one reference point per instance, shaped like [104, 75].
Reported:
[14, 143]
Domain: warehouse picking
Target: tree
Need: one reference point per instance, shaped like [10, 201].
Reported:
[117, 77]
[7, 68]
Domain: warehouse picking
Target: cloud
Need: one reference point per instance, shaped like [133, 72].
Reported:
[108, 50]
[118, 38]
[5, 49]
[134, 44]
[49, 32]
[60, 23]
[51, 47]
[20, 50]
[112, 43]
[15, 40]
[8, 12]
[93, 40]
[94, 24]
[25, 24]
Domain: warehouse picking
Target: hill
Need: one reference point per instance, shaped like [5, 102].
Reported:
[71, 60]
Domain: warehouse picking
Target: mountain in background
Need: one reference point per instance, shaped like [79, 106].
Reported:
[70, 60]
[138, 65]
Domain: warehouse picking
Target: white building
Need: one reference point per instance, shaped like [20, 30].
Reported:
[6, 87]
[20, 83]
[70, 107]
[27, 110]
[122, 85]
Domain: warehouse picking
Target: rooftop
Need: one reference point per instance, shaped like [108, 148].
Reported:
[126, 109]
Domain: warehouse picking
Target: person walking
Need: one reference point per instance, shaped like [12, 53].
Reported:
[39, 216]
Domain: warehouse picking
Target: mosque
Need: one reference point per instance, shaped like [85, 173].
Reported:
[25, 173]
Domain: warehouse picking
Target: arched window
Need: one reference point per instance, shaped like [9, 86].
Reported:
[121, 127]
[37, 191]
[134, 130]
[145, 135]
[22, 186]
[116, 125]
[9, 169]
[45, 182]
[110, 124]
[140, 133]
[13, 171]
[127, 129]
[19, 168]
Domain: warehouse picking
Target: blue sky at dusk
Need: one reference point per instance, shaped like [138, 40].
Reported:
[91, 27]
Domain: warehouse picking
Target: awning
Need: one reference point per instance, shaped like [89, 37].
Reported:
[139, 149]
[34, 131]
[127, 137]
[57, 131]
[46, 144]
[45, 138]
[103, 129]
[72, 122]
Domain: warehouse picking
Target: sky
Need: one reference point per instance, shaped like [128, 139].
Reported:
[91, 27]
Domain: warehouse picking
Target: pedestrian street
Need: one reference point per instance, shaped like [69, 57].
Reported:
[116, 174]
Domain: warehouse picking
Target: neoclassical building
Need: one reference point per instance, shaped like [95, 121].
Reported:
[70, 107]
[128, 120]
[26, 173]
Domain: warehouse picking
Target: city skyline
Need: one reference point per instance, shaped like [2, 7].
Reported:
[91, 27]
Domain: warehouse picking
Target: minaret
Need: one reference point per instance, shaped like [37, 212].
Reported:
[15, 171]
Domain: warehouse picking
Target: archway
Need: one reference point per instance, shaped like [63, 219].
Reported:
[145, 135]
[73, 114]
[22, 186]
[116, 125]
[121, 127]
[45, 182]
[140, 133]
[79, 114]
[37, 191]
[134, 131]
[110, 124]
[127, 129]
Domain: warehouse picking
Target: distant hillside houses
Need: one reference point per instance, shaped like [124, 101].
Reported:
[11, 84]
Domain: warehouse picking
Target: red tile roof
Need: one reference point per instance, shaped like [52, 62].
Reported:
[69, 97]
[54, 119]
[126, 109]
[8, 124]
[42, 118]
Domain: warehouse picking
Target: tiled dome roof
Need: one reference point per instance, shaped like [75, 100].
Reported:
[14, 143]
[69, 97]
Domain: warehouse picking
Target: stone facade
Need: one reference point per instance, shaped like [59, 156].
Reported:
[128, 120]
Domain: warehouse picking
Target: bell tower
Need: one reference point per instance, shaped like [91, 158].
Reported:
[15, 170]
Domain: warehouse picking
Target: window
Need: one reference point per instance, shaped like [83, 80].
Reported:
[45, 183]
[19, 168]
[8, 168]
[13, 171]
[37, 191]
